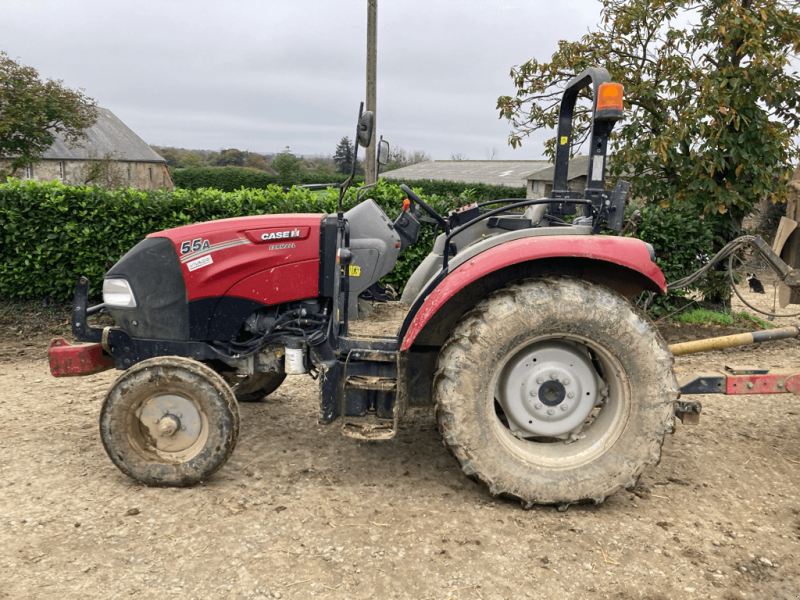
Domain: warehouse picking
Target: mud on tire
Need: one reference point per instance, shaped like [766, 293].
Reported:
[169, 421]
[553, 317]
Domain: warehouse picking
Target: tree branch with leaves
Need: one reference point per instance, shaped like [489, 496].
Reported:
[34, 112]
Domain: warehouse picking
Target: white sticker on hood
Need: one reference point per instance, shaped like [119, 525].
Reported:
[203, 261]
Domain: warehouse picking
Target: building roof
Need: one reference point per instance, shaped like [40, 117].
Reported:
[492, 172]
[578, 167]
[108, 136]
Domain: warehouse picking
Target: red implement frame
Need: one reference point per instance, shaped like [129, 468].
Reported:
[739, 381]
[67, 360]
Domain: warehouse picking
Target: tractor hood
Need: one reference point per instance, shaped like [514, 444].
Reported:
[198, 280]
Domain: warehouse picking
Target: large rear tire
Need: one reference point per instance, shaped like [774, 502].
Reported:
[169, 421]
[555, 391]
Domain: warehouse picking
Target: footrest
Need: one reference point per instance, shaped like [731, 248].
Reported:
[371, 430]
[363, 382]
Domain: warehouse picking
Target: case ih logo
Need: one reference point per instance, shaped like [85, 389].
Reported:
[281, 235]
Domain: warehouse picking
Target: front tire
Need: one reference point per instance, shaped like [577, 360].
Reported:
[555, 391]
[255, 387]
[169, 421]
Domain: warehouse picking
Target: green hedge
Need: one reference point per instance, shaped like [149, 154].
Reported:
[51, 234]
[480, 192]
[229, 179]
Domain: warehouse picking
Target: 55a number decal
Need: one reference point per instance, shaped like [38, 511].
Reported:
[195, 245]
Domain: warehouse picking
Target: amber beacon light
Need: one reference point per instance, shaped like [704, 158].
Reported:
[609, 97]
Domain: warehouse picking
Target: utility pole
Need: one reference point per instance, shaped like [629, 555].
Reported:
[372, 88]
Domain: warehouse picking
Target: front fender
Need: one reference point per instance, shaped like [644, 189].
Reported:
[621, 263]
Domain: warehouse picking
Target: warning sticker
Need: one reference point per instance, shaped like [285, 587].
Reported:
[355, 271]
[203, 261]
[564, 140]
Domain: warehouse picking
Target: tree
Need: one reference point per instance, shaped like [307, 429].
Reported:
[711, 107]
[343, 157]
[458, 156]
[230, 158]
[256, 161]
[287, 167]
[33, 112]
[191, 160]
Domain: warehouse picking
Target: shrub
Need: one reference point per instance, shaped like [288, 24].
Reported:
[683, 241]
[229, 179]
[51, 234]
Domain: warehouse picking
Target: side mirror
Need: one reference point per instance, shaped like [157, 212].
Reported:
[365, 125]
[383, 152]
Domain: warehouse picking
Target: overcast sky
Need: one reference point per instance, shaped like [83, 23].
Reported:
[261, 75]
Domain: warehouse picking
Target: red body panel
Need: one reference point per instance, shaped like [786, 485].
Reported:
[269, 259]
[283, 283]
[67, 360]
[627, 252]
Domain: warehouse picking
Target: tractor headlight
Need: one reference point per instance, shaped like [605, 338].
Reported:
[118, 293]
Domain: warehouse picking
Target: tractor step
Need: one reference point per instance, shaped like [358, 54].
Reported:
[370, 393]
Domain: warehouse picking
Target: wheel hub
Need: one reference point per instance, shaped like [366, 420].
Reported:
[170, 423]
[547, 389]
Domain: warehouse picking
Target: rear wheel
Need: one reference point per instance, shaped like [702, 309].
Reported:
[255, 387]
[169, 421]
[554, 391]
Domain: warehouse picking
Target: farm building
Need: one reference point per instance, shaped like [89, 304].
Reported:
[113, 156]
[539, 183]
[490, 172]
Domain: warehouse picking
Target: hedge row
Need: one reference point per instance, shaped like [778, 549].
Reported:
[480, 192]
[51, 234]
[229, 179]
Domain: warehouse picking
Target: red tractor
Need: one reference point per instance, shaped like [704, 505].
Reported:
[550, 386]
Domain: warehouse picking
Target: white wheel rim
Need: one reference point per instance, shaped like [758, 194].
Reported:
[600, 429]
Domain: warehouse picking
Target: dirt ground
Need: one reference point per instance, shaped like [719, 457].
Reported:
[302, 512]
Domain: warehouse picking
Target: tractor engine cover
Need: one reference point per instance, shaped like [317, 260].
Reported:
[200, 282]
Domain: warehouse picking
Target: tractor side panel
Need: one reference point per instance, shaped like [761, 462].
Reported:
[620, 263]
[217, 255]
[283, 283]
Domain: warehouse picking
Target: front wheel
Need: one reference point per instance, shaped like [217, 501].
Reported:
[555, 391]
[169, 421]
[255, 387]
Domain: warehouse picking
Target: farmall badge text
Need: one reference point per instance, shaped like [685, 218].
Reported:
[281, 235]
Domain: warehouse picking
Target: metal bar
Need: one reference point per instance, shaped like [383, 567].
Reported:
[731, 341]
[775, 381]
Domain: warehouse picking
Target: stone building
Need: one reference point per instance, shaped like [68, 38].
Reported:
[112, 156]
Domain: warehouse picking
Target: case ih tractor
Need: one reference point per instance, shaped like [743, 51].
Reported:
[549, 385]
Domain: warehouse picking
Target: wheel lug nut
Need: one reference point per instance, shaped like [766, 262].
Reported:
[550, 411]
[183, 427]
[570, 395]
[179, 415]
[537, 406]
[166, 412]
[564, 407]
[533, 393]
[155, 421]
[554, 376]
[539, 380]
[566, 382]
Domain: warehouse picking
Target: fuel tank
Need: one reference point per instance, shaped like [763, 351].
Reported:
[199, 282]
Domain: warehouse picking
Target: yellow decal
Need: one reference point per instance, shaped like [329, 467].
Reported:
[564, 140]
[355, 271]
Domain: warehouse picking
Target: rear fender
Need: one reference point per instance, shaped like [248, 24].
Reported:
[624, 264]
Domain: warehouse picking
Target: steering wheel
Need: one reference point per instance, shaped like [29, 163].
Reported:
[422, 204]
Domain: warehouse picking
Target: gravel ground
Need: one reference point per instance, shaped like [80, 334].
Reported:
[302, 512]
